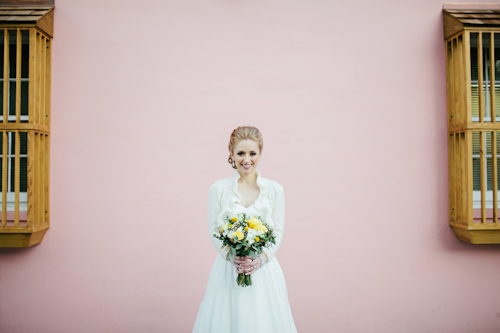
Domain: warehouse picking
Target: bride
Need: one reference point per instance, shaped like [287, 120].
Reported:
[262, 307]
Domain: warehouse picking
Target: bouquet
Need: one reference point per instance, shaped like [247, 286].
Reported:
[243, 235]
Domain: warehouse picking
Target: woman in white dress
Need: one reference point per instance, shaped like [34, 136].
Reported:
[262, 307]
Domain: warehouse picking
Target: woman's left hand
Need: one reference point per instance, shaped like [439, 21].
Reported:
[246, 264]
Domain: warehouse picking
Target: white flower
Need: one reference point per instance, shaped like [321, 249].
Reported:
[252, 233]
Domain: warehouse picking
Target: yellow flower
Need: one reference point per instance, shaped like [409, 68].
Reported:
[257, 239]
[234, 219]
[246, 228]
[239, 235]
[254, 223]
[254, 220]
[230, 226]
[262, 228]
[225, 226]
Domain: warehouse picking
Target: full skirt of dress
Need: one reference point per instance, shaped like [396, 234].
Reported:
[229, 308]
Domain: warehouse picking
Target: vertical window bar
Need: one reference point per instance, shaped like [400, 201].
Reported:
[486, 75]
[38, 72]
[42, 78]
[469, 176]
[47, 84]
[30, 189]
[5, 171]
[468, 79]
[480, 76]
[469, 183]
[19, 63]
[456, 79]
[6, 76]
[494, 175]
[37, 178]
[42, 178]
[456, 111]
[463, 180]
[492, 78]
[461, 78]
[31, 76]
[482, 172]
[451, 176]
[450, 94]
[17, 179]
[47, 179]
[459, 178]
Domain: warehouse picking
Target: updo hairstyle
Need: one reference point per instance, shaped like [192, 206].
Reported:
[244, 133]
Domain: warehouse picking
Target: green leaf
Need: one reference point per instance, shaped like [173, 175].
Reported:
[231, 256]
[239, 246]
[233, 250]
[252, 254]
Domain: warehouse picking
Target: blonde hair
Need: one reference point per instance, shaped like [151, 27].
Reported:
[244, 133]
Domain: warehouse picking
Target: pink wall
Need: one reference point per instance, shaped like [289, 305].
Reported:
[351, 99]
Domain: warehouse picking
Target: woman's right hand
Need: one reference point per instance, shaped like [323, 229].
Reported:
[242, 264]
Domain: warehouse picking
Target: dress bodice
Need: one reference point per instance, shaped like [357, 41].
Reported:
[250, 211]
[224, 200]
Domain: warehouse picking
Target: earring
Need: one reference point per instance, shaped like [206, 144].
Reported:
[259, 162]
[234, 164]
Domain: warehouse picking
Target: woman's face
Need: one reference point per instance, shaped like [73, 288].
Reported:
[246, 155]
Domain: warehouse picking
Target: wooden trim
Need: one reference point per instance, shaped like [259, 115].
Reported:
[494, 169]
[459, 215]
[456, 88]
[469, 177]
[451, 177]
[455, 35]
[461, 79]
[38, 78]
[467, 70]
[24, 126]
[452, 89]
[473, 126]
[48, 78]
[480, 77]
[451, 25]
[482, 163]
[37, 179]
[47, 179]
[492, 78]
[46, 23]
[43, 64]
[42, 177]
[31, 75]
[17, 177]
[463, 173]
[6, 75]
[19, 44]
[5, 170]
[31, 165]
[449, 91]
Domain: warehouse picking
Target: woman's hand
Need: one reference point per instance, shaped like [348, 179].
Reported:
[246, 264]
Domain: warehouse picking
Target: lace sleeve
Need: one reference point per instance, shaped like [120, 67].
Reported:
[213, 211]
[278, 216]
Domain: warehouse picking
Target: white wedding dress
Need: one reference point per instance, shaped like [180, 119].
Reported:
[262, 307]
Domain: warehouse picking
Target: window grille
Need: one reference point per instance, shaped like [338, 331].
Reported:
[472, 34]
[25, 67]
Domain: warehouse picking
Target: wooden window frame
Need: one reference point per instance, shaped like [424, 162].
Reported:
[38, 20]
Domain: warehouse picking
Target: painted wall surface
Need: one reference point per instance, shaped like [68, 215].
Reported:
[351, 99]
